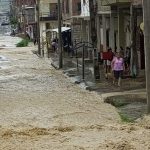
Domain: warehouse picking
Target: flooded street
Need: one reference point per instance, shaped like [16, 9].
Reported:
[40, 109]
[8, 41]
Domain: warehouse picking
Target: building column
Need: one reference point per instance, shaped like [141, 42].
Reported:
[84, 38]
[89, 40]
[104, 32]
[89, 32]
[121, 33]
[98, 34]
[112, 32]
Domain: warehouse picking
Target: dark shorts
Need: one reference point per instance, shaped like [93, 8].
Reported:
[118, 74]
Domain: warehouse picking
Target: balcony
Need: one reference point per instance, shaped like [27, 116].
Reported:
[115, 2]
[49, 16]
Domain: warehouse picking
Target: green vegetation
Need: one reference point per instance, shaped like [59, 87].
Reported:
[125, 118]
[23, 43]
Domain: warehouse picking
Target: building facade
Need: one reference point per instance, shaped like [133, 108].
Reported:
[48, 21]
[123, 29]
[25, 13]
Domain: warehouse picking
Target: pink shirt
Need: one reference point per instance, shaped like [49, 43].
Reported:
[117, 64]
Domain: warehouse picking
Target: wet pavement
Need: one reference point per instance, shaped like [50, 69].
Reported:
[41, 109]
[100, 86]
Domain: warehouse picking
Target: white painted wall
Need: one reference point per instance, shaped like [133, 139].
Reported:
[85, 8]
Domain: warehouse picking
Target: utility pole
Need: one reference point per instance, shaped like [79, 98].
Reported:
[93, 14]
[38, 26]
[146, 13]
[24, 17]
[60, 36]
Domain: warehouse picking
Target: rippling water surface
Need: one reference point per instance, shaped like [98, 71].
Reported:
[8, 41]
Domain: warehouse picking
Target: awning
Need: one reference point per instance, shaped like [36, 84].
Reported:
[63, 29]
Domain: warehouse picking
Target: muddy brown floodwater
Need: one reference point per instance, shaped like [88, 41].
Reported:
[40, 109]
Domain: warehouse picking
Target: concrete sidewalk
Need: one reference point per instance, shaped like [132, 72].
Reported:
[129, 99]
[139, 93]
[101, 86]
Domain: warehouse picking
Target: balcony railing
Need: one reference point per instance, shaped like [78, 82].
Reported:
[114, 2]
[49, 16]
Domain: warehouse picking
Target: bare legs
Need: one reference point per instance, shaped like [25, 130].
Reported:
[119, 81]
[117, 77]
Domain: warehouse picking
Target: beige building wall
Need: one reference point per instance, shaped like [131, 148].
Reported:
[45, 5]
[45, 25]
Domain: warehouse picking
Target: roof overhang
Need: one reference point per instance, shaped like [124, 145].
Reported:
[81, 17]
[63, 29]
[104, 12]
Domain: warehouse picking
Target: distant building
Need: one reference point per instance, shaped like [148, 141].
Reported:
[25, 12]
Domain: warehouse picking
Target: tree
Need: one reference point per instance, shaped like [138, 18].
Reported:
[146, 13]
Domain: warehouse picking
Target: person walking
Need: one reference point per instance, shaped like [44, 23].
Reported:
[55, 44]
[35, 41]
[108, 62]
[118, 68]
